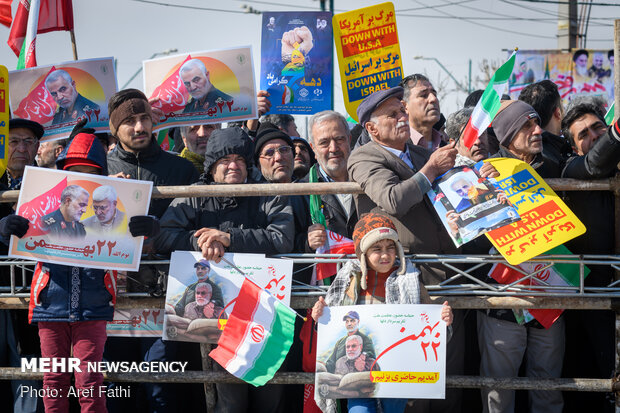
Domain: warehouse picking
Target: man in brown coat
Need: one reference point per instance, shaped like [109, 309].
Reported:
[395, 175]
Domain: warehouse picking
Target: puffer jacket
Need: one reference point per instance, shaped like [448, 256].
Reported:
[155, 165]
[68, 294]
[255, 224]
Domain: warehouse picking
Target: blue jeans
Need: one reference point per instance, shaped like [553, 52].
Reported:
[370, 405]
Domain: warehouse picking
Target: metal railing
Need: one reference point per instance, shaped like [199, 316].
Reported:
[464, 290]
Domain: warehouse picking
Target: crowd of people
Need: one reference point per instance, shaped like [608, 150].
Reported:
[399, 148]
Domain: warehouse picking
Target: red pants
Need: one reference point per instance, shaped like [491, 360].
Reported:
[87, 338]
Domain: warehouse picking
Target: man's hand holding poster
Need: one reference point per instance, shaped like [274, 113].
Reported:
[391, 350]
[202, 87]
[80, 219]
[59, 96]
[201, 293]
[469, 205]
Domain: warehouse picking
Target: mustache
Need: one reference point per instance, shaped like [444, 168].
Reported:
[402, 123]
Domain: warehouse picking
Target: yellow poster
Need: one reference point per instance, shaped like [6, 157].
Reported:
[546, 221]
[368, 52]
[4, 117]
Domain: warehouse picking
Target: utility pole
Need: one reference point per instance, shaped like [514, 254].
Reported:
[568, 26]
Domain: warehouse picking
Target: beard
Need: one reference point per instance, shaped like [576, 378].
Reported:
[353, 328]
[354, 355]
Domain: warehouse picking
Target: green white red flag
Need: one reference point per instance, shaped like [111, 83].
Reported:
[558, 275]
[257, 337]
[489, 103]
[33, 17]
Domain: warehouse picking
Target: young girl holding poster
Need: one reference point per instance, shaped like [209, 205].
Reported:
[375, 278]
[72, 305]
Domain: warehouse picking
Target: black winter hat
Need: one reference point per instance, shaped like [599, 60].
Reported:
[229, 141]
[267, 132]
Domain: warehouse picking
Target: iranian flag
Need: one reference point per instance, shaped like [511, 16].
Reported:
[257, 337]
[335, 244]
[487, 107]
[33, 17]
[559, 274]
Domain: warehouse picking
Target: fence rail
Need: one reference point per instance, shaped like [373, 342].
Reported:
[464, 291]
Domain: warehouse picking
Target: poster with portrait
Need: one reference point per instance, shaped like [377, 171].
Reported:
[391, 350]
[80, 219]
[201, 294]
[469, 205]
[136, 323]
[296, 61]
[580, 72]
[202, 87]
[58, 96]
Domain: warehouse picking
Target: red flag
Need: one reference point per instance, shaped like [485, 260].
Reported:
[42, 205]
[6, 16]
[54, 15]
[172, 94]
[39, 105]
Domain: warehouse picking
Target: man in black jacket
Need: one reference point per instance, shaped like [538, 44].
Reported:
[137, 155]
[584, 126]
[215, 225]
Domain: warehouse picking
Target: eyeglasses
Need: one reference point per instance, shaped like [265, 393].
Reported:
[26, 141]
[283, 150]
[202, 292]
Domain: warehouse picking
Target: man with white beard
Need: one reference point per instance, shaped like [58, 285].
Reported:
[355, 360]
[352, 325]
[203, 306]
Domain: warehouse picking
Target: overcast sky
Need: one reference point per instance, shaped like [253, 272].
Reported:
[451, 31]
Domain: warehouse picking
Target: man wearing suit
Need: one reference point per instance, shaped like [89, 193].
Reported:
[395, 175]
[330, 139]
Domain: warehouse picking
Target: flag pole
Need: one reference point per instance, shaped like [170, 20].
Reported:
[75, 56]
[244, 274]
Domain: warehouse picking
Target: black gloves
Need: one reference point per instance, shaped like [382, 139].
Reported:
[79, 128]
[146, 225]
[13, 225]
